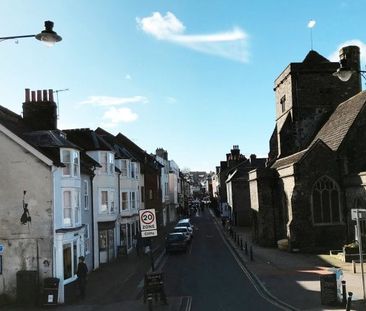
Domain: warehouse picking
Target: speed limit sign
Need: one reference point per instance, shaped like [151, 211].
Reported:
[148, 223]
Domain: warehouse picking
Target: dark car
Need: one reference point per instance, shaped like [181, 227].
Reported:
[176, 241]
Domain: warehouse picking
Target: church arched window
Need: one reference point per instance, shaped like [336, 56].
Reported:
[326, 205]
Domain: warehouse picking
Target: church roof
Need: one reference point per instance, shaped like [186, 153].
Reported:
[336, 128]
[289, 159]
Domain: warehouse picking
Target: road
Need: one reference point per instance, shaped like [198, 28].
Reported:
[209, 273]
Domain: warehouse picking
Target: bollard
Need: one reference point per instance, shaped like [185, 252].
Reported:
[251, 253]
[354, 266]
[344, 294]
[246, 248]
[349, 301]
[241, 244]
[150, 302]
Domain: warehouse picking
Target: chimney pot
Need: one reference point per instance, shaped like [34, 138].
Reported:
[27, 95]
[50, 95]
[39, 95]
[45, 97]
[33, 96]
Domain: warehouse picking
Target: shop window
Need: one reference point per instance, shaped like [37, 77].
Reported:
[67, 261]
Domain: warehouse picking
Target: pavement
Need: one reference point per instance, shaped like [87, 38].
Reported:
[292, 279]
[289, 280]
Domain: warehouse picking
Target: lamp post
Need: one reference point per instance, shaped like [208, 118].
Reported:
[345, 73]
[48, 36]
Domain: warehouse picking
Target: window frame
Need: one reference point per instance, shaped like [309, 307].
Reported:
[73, 163]
[86, 195]
[125, 202]
[110, 203]
[326, 193]
[75, 208]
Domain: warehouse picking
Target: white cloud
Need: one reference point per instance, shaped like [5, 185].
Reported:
[170, 100]
[117, 115]
[230, 44]
[114, 101]
[161, 27]
[334, 57]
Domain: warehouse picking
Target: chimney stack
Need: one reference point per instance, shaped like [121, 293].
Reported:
[349, 57]
[40, 112]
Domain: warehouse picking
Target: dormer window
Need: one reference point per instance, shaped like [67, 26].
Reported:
[124, 168]
[71, 159]
[107, 162]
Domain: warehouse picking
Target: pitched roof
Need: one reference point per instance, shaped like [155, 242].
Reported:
[314, 57]
[121, 151]
[336, 128]
[87, 139]
[46, 142]
[289, 159]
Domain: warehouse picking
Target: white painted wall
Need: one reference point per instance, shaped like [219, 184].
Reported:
[20, 170]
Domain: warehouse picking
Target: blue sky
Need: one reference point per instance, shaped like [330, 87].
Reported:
[192, 77]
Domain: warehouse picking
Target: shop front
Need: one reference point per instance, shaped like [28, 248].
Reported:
[107, 244]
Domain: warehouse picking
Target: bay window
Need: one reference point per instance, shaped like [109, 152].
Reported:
[124, 200]
[71, 159]
[133, 199]
[71, 207]
[106, 160]
[124, 168]
[107, 204]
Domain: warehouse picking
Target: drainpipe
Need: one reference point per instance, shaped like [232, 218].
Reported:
[92, 212]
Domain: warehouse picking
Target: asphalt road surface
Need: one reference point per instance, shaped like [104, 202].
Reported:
[209, 273]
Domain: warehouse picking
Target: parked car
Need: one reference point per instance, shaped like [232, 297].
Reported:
[185, 231]
[185, 223]
[176, 241]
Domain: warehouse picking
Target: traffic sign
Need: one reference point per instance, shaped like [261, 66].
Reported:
[148, 223]
[149, 233]
[359, 213]
[1, 248]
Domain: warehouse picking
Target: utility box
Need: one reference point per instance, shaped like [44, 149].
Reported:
[27, 288]
[50, 291]
[328, 289]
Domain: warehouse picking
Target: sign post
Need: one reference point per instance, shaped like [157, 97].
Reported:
[357, 214]
[148, 228]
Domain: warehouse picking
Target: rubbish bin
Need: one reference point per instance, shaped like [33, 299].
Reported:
[50, 291]
[26, 291]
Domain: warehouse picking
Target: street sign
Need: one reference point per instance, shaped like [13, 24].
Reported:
[149, 233]
[148, 223]
[360, 212]
[1, 248]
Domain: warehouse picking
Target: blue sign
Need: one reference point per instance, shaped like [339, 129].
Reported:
[1, 248]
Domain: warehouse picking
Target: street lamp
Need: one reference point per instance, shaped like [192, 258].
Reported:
[345, 73]
[349, 63]
[48, 36]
